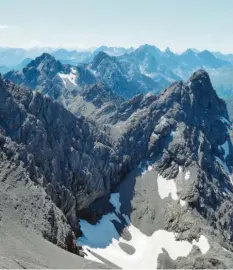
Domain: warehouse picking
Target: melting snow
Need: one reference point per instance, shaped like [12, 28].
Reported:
[71, 77]
[166, 187]
[187, 175]
[115, 201]
[103, 239]
[145, 167]
[74, 71]
[150, 168]
[180, 169]
[90, 256]
[182, 202]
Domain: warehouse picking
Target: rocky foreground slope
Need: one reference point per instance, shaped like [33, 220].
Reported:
[57, 168]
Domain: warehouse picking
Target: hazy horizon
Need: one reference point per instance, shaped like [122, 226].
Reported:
[75, 24]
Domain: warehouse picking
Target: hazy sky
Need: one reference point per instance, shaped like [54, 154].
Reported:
[179, 24]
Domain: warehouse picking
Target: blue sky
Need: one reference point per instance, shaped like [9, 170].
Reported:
[179, 24]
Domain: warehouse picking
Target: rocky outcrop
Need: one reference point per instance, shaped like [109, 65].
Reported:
[76, 162]
[49, 76]
[68, 156]
[188, 126]
[109, 70]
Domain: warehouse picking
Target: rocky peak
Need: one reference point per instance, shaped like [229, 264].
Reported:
[189, 52]
[149, 49]
[45, 63]
[168, 52]
[204, 96]
[101, 56]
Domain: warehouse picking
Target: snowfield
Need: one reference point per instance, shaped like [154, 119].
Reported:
[103, 239]
[167, 187]
[71, 77]
[187, 175]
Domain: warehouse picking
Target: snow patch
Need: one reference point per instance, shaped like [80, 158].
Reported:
[180, 169]
[74, 71]
[202, 243]
[150, 168]
[115, 201]
[182, 203]
[147, 248]
[71, 77]
[101, 234]
[187, 175]
[166, 187]
[145, 167]
[90, 256]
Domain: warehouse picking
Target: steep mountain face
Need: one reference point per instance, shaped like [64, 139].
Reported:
[183, 184]
[156, 64]
[123, 82]
[96, 101]
[140, 70]
[150, 61]
[168, 159]
[49, 76]
[165, 67]
[60, 151]
[74, 87]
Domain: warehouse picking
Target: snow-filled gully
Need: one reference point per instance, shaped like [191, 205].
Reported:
[103, 238]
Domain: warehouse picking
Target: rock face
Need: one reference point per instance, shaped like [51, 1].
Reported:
[49, 76]
[182, 140]
[76, 162]
[113, 73]
[65, 154]
[77, 88]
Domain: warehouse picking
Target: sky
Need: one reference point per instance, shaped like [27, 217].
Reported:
[177, 24]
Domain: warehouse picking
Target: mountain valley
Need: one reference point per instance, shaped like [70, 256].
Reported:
[126, 176]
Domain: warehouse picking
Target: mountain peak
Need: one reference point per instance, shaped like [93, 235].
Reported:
[99, 58]
[201, 74]
[189, 52]
[168, 50]
[45, 62]
[46, 56]
[149, 48]
[200, 81]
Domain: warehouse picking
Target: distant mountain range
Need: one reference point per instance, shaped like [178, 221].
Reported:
[129, 71]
